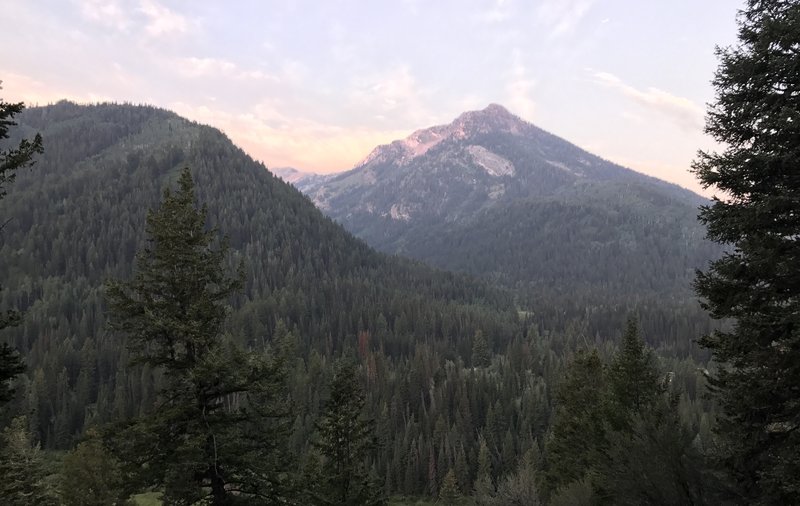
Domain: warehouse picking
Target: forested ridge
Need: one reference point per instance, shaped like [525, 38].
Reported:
[455, 371]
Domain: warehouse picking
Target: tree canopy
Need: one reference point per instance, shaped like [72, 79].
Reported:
[756, 284]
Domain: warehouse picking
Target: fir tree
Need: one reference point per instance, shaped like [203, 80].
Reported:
[220, 420]
[449, 493]
[481, 357]
[11, 160]
[25, 480]
[579, 423]
[91, 476]
[756, 284]
[346, 439]
[633, 382]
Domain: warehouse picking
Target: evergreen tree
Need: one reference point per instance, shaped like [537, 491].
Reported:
[11, 160]
[633, 382]
[91, 476]
[481, 357]
[484, 490]
[346, 439]
[579, 422]
[647, 455]
[25, 480]
[449, 493]
[219, 422]
[756, 284]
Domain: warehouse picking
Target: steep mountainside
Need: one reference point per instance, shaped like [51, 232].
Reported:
[493, 195]
[76, 219]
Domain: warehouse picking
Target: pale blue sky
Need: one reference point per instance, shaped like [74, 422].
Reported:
[316, 85]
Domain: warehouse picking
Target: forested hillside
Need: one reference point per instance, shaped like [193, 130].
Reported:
[494, 196]
[459, 377]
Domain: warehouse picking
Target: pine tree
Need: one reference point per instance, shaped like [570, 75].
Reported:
[25, 480]
[91, 476]
[756, 284]
[346, 439]
[633, 381]
[449, 493]
[11, 160]
[481, 356]
[579, 425]
[218, 428]
[483, 489]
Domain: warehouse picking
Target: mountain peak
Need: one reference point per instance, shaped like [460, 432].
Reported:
[493, 118]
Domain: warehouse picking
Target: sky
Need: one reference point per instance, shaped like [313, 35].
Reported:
[316, 85]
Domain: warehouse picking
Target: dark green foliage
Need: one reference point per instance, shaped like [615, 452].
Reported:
[647, 454]
[11, 160]
[519, 488]
[25, 479]
[10, 366]
[481, 356]
[346, 440]
[633, 382]
[312, 293]
[578, 430]
[17, 157]
[449, 494]
[211, 435]
[619, 430]
[756, 117]
[91, 476]
[577, 493]
[654, 460]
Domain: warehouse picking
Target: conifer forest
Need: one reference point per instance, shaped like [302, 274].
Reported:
[482, 314]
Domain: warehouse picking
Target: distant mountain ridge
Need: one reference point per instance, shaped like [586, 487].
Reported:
[444, 194]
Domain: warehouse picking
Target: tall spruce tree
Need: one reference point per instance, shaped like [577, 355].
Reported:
[25, 480]
[346, 439]
[11, 160]
[216, 431]
[579, 425]
[756, 284]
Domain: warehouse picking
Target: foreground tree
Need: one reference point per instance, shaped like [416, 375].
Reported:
[11, 160]
[25, 480]
[90, 476]
[219, 423]
[578, 426]
[756, 284]
[346, 439]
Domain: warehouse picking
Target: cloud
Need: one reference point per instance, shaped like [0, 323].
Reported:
[109, 13]
[281, 140]
[161, 20]
[18, 87]
[122, 15]
[193, 67]
[682, 111]
[498, 11]
[395, 94]
[562, 17]
[519, 89]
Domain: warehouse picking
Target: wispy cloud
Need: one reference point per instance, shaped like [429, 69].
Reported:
[519, 89]
[162, 20]
[393, 93]
[685, 113]
[109, 13]
[150, 16]
[194, 67]
[499, 10]
[279, 139]
[562, 17]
